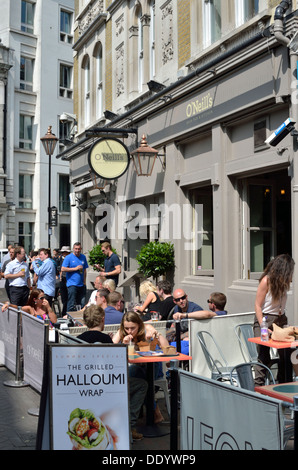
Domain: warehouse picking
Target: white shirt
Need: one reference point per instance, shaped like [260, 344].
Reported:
[14, 267]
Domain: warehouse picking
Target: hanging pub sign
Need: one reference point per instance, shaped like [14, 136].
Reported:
[108, 158]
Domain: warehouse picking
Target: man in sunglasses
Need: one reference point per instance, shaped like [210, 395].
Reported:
[185, 306]
[216, 304]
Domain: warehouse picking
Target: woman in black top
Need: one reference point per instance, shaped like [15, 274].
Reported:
[152, 301]
[94, 318]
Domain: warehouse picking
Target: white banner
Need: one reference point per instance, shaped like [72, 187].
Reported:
[89, 397]
[33, 350]
[8, 338]
[217, 416]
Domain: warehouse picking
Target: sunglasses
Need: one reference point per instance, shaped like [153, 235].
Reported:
[180, 298]
[209, 301]
[40, 298]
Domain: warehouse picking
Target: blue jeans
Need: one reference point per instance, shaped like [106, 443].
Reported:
[76, 296]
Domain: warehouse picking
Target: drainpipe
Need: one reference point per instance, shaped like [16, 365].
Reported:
[293, 169]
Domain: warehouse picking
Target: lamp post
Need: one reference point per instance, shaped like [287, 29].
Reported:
[49, 142]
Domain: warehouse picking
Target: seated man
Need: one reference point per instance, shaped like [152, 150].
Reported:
[113, 310]
[101, 297]
[216, 301]
[183, 305]
[164, 290]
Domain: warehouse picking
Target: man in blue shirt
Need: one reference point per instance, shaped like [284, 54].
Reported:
[46, 273]
[75, 266]
[183, 305]
[216, 303]
[113, 312]
[112, 264]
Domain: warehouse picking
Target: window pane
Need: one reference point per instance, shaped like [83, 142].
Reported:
[27, 16]
[65, 22]
[64, 190]
[203, 228]
[260, 250]
[260, 198]
[25, 132]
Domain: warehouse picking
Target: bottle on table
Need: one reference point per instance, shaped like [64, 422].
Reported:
[264, 330]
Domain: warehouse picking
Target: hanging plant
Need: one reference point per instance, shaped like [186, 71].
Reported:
[156, 259]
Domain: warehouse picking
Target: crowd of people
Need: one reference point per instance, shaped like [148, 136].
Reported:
[32, 282]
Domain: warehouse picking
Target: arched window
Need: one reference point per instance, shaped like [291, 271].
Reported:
[86, 89]
[152, 39]
[98, 80]
[140, 49]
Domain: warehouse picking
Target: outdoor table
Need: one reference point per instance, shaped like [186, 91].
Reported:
[151, 429]
[285, 392]
[271, 343]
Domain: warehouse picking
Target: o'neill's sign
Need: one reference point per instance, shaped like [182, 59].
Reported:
[108, 158]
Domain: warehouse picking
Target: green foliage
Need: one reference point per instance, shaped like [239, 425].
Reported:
[156, 258]
[96, 256]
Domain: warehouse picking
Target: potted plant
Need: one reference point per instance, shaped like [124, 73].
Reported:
[96, 256]
[156, 259]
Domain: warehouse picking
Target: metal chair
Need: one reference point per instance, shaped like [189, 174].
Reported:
[244, 374]
[244, 331]
[162, 383]
[219, 367]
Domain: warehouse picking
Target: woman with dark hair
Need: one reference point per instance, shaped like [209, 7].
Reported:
[270, 302]
[37, 305]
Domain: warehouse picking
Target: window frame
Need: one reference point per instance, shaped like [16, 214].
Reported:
[197, 219]
[26, 26]
[66, 36]
[65, 88]
[25, 201]
[25, 83]
[25, 143]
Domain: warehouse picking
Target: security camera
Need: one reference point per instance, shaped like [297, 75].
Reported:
[67, 117]
[284, 129]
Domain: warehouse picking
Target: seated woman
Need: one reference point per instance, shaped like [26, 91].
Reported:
[37, 306]
[152, 302]
[133, 330]
[94, 319]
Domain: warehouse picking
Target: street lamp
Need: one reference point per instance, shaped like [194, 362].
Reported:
[49, 142]
[144, 158]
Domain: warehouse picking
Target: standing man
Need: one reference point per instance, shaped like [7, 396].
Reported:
[3, 267]
[46, 273]
[75, 266]
[17, 271]
[112, 264]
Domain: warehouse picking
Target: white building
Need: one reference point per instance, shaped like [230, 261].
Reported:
[39, 90]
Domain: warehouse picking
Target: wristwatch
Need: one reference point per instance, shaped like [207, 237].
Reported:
[186, 316]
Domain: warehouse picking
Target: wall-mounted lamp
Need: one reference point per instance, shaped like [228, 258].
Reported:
[101, 184]
[155, 86]
[144, 158]
[109, 115]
